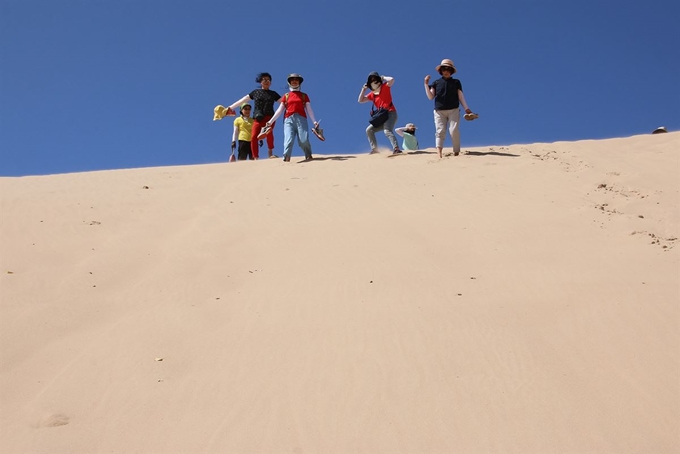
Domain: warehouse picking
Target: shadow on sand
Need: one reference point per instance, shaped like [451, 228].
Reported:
[328, 158]
[491, 153]
[421, 152]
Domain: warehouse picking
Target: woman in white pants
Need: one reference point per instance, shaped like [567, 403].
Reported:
[448, 96]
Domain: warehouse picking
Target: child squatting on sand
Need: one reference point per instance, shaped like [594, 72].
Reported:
[297, 107]
[408, 132]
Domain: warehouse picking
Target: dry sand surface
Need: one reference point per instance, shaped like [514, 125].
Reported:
[515, 299]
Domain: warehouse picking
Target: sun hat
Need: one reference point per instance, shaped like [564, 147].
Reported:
[410, 126]
[244, 105]
[220, 112]
[446, 62]
[372, 75]
[659, 130]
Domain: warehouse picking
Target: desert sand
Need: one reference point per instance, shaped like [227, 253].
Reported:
[514, 299]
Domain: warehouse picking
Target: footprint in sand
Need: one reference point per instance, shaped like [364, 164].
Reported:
[55, 420]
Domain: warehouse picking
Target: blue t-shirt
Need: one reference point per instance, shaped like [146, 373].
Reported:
[446, 93]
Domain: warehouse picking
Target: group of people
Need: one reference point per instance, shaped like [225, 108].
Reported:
[253, 126]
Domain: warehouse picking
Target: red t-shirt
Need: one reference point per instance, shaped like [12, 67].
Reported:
[383, 99]
[295, 103]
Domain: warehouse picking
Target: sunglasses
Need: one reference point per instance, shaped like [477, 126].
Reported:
[446, 68]
[266, 79]
[294, 78]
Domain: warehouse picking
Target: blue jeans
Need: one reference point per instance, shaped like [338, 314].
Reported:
[296, 126]
[388, 127]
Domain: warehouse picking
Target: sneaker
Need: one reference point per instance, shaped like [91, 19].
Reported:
[470, 116]
[456, 153]
[266, 130]
[396, 152]
[273, 157]
[374, 152]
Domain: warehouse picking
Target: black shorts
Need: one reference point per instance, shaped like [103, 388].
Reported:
[244, 151]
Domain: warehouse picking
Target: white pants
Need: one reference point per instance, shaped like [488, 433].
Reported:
[452, 117]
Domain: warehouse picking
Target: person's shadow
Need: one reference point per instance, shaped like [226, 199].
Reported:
[329, 158]
[421, 152]
[491, 153]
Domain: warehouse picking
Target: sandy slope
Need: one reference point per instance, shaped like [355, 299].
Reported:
[515, 299]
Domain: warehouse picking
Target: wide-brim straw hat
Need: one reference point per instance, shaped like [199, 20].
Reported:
[446, 62]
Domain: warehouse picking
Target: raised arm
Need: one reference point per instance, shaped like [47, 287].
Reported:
[233, 106]
[400, 131]
[429, 91]
[363, 98]
[387, 80]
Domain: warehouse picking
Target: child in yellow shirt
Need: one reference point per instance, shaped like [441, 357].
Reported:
[243, 131]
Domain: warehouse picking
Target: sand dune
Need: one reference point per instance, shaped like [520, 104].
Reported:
[516, 299]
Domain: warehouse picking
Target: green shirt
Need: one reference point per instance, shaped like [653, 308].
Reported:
[410, 142]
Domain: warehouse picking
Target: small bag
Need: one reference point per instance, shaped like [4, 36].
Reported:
[379, 117]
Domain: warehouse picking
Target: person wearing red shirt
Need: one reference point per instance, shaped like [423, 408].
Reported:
[295, 106]
[381, 96]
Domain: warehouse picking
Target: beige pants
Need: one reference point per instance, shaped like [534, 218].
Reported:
[441, 118]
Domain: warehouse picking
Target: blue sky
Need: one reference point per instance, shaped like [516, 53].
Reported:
[107, 84]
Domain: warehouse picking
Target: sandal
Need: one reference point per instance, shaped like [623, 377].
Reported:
[265, 131]
[318, 132]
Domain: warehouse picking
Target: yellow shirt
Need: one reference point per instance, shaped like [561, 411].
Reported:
[245, 128]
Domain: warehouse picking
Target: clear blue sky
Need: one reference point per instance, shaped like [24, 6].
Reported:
[106, 84]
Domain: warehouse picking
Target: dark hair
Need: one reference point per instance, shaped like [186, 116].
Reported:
[261, 76]
[374, 76]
